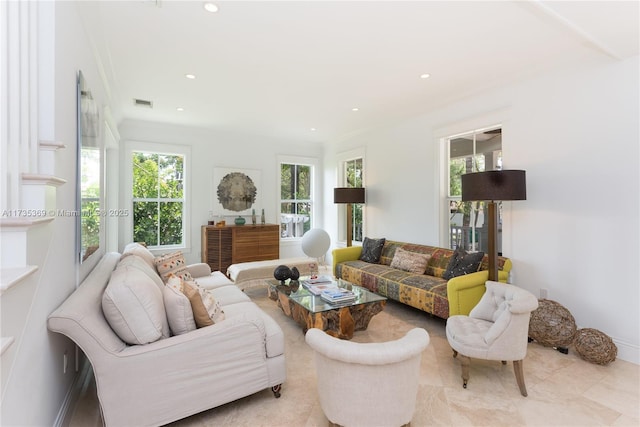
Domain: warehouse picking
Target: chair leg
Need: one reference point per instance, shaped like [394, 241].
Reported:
[517, 368]
[276, 390]
[464, 364]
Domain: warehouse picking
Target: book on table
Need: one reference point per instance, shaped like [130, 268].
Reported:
[314, 280]
[319, 284]
[337, 295]
[318, 289]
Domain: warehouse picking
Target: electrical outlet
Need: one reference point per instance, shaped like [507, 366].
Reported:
[65, 362]
[543, 293]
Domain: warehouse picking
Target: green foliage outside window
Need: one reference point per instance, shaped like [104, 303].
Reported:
[353, 173]
[295, 192]
[158, 198]
[89, 200]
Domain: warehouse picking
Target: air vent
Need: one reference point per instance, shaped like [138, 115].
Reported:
[142, 103]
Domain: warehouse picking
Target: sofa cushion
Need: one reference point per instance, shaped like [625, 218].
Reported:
[412, 262]
[139, 263]
[274, 344]
[173, 263]
[134, 307]
[215, 280]
[427, 293]
[206, 309]
[178, 307]
[462, 262]
[141, 251]
[230, 294]
[371, 250]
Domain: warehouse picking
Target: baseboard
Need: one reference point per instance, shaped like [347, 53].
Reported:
[628, 352]
[79, 383]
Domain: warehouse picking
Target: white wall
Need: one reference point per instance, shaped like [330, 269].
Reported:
[36, 387]
[211, 149]
[575, 132]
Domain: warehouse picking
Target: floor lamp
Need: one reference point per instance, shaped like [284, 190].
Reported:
[348, 195]
[493, 186]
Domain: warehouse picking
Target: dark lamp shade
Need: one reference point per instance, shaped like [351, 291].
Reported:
[348, 195]
[494, 185]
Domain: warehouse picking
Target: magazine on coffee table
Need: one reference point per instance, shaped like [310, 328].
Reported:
[318, 284]
[337, 295]
[314, 280]
[317, 289]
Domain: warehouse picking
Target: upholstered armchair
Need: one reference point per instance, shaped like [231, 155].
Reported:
[495, 329]
[368, 384]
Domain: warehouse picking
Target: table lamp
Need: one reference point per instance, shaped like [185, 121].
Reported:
[492, 186]
[348, 195]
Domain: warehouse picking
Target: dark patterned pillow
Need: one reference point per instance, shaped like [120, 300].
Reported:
[462, 262]
[371, 250]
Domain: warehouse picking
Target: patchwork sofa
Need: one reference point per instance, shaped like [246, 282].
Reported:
[427, 291]
[151, 364]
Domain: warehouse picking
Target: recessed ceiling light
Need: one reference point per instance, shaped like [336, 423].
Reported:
[190, 76]
[313, 129]
[425, 76]
[355, 109]
[210, 7]
[180, 109]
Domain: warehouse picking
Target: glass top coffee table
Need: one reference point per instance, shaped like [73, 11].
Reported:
[311, 311]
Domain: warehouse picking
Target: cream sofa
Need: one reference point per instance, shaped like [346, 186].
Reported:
[174, 376]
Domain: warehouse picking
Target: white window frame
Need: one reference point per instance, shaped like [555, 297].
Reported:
[315, 210]
[474, 168]
[342, 159]
[497, 118]
[158, 148]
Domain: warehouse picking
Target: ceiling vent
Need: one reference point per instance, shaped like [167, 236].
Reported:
[142, 103]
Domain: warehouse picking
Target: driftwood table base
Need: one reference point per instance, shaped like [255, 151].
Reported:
[340, 322]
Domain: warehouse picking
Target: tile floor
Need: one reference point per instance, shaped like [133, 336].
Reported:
[564, 390]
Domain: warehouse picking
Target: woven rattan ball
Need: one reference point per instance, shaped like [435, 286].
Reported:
[551, 324]
[595, 346]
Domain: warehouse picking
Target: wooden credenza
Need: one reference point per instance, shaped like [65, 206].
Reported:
[232, 244]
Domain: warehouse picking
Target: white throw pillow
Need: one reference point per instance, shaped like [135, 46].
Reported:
[138, 262]
[178, 307]
[141, 251]
[133, 307]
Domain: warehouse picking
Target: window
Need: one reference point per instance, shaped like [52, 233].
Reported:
[296, 184]
[353, 174]
[158, 192]
[89, 200]
[89, 197]
[475, 151]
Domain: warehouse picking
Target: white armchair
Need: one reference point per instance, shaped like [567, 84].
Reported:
[367, 384]
[495, 329]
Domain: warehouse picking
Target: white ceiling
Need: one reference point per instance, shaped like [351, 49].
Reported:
[282, 68]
